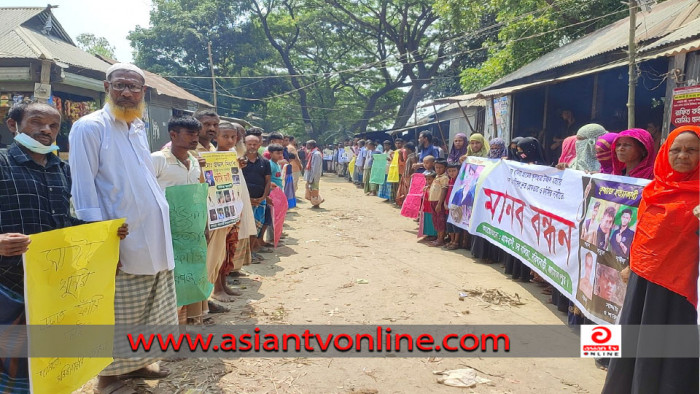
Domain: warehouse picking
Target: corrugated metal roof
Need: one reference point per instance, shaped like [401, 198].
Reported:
[25, 43]
[685, 47]
[53, 48]
[512, 89]
[688, 31]
[13, 46]
[663, 19]
[11, 17]
[21, 42]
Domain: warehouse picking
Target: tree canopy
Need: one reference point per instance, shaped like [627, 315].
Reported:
[331, 68]
[95, 45]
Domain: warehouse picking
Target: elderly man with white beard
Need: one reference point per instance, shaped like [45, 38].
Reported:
[113, 177]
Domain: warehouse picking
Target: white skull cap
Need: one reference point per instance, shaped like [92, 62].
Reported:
[127, 67]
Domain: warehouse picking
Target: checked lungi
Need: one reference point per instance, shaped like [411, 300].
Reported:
[144, 300]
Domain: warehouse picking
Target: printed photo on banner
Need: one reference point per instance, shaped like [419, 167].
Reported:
[606, 232]
[587, 278]
[461, 201]
[224, 202]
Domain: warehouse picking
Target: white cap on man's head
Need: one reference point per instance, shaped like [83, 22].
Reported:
[126, 67]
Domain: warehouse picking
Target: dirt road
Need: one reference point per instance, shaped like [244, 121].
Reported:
[313, 280]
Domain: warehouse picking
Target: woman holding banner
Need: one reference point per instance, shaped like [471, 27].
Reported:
[662, 288]
[634, 154]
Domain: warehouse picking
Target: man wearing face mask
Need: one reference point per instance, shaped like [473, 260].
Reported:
[114, 177]
[34, 197]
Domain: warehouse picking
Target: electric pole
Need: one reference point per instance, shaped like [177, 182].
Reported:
[632, 64]
[213, 77]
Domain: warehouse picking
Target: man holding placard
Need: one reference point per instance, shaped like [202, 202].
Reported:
[175, 166]
[34, 198]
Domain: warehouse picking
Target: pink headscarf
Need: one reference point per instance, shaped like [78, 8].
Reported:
[568, 150]
[604, 156]
[645, 168]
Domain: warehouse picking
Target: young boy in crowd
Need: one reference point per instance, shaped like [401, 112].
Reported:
[359, 163]
[436, 197]
[453, 232]
[223, 240]
[370, 189]
[429, 163]
[276, 152]
[429, 233]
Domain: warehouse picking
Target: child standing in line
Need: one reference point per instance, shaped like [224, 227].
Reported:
[370, 189]
[453, 232]
[429, 163]
[429, 233]
[436, 198]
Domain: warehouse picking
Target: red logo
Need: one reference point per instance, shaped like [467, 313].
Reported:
[601, 334]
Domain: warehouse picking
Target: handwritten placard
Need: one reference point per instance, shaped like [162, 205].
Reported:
[69, 280]
[188, 219]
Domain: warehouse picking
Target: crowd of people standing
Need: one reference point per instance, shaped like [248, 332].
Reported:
[661, 280]
[112, 174]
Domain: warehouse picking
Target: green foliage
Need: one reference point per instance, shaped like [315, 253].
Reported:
[311, 67]
[95, 45]
[527, 29]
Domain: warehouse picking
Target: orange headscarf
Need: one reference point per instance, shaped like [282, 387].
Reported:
[665, 248]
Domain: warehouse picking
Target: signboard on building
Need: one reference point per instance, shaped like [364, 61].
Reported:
[498, 118]
[685, 109]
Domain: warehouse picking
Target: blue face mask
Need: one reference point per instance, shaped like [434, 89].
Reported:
[33, 145]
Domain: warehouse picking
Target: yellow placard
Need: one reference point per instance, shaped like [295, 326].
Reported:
[351, 166]
[69, 281]
[393, 174]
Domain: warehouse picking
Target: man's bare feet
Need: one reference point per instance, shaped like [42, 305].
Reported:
[221, 296]
[223, 286]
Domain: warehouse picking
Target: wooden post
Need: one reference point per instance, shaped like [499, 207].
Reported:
[213, 77]
[493, 116]
[466, 117]
[439, 126]
[594, 102]
[45, 76]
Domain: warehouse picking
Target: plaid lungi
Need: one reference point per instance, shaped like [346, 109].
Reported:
[145, 300]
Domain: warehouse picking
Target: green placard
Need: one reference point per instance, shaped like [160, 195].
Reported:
[188, 219]
[378, 173]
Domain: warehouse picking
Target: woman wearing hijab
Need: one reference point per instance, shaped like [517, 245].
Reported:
[459, 148]
[530, 151]
[634, 154]
[586, 138]
[478, 147]
[662, 288]
[513, 149]
[498, 149]
[481, 249]
[568, 150]
[603, 152]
